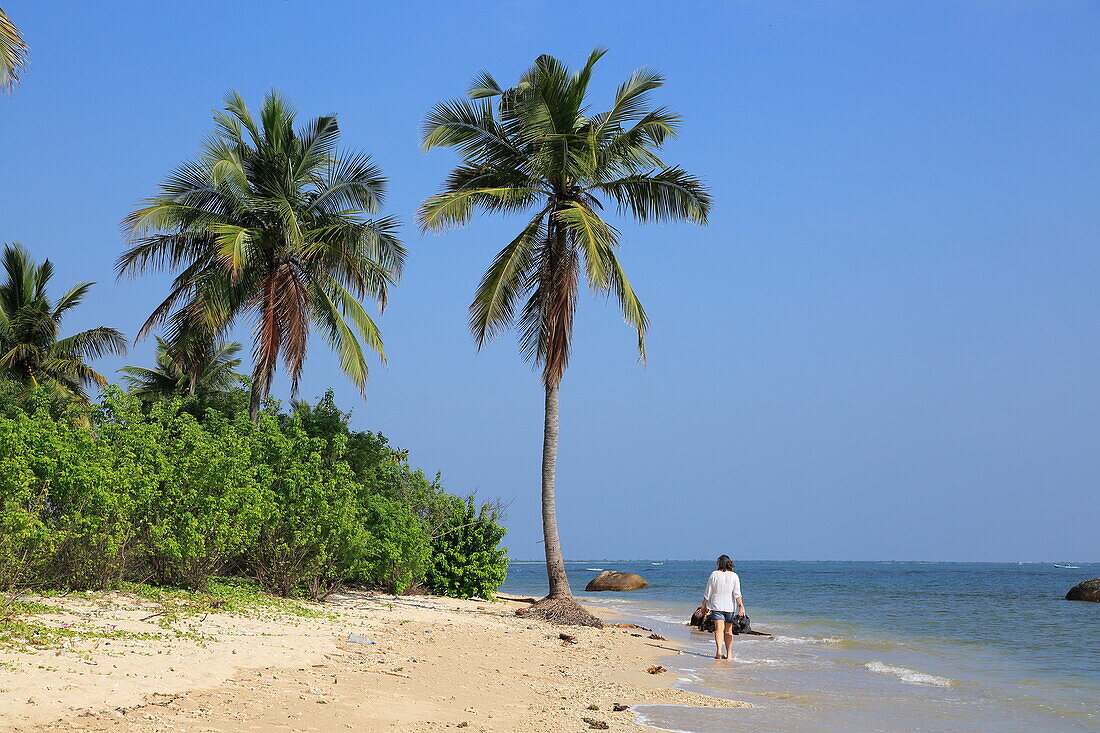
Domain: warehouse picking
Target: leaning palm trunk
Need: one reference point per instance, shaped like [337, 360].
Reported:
[555, 563]
[539, 148]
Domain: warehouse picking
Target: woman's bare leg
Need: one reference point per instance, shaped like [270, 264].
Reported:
[729, 641]
[719, 633]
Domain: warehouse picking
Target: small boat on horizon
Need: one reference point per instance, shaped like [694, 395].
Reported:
[656, 563]
[1066, 565]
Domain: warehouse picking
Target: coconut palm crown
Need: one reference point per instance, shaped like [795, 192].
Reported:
[272, 224]
[207, 371]
[31, 350]
[538, 149]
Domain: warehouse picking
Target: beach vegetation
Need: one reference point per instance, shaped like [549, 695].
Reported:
[297, 502]
[467, 560]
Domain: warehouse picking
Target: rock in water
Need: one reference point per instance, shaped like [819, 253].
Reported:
[1086, 590]
[612, 580]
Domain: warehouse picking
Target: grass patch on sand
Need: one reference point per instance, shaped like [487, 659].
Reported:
[20, 632]
[233, 596]
[173, 609]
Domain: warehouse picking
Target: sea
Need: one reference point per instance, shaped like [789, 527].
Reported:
[869, 646]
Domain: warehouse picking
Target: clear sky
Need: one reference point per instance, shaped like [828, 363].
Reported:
[886, 345]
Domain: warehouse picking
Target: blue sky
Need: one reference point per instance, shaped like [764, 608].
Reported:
[886, 345]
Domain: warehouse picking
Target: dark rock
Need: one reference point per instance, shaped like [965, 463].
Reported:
[1086, 590]
[613, 580]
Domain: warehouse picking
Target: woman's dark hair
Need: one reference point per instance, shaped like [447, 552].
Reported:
[724, 563]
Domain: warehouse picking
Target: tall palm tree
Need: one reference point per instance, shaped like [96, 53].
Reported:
[30, 351]
[205, 372]
[537, 148]
[270, 223]
[13, 53]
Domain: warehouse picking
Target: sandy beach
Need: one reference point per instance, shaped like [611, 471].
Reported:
[436, 664]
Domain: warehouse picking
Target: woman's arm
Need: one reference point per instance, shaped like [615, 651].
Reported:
[737, 596]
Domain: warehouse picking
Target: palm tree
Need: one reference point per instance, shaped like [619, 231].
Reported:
[537, 148]
[30, 351]
[270, 223]
[206, 372]
[13, 53]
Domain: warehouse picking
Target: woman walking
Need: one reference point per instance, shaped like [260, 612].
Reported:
[723, 593]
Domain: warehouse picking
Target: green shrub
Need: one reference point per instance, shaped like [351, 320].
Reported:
[313, 540]
[466, 558]
[200, 506]
[397, 551]
[66, 508]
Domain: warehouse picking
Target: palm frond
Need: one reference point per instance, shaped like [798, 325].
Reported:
[595, 236]
[493, 307]
[92, 344]
[13, 53]
[671, 194]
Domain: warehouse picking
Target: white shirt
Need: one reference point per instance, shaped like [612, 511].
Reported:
[722, 587]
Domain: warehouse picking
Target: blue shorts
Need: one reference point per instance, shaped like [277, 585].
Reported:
[727, 616]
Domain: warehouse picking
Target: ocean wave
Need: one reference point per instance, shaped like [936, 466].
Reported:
[794, 640]
[773, 662]
[663, 618]
[908, 675]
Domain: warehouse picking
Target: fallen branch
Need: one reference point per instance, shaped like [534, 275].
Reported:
[391, 674]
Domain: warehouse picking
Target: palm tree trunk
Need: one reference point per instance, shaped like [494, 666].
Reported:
[261, 383]
[555, 564]
[254, 404]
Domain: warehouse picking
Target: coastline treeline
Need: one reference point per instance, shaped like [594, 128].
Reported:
[122, 489]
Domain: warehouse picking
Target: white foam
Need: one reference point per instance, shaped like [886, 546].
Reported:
[908, 675]
[793, 640]
[773, 662]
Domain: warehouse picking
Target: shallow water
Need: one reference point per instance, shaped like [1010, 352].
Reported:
[876, 646]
